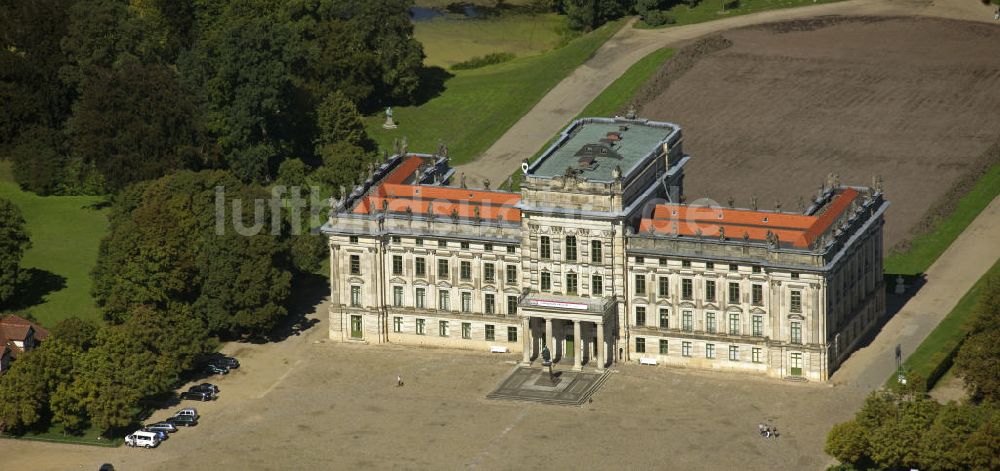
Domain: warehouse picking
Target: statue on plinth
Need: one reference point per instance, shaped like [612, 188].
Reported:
[389, 123]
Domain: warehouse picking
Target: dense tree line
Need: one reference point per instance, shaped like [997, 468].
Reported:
[99, 94]
[14, 241]
[906, 429]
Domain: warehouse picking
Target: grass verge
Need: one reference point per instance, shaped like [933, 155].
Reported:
[934, 356]
[90, 436]
[449, 41]
[478, 106]
[710, 10]
[65, 234]
[926, 248]
[616, 96]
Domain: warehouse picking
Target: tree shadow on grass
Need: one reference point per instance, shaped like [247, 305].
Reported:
[36, 285]
[432, 84]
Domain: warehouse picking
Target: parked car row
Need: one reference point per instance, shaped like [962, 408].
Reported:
[150, 436]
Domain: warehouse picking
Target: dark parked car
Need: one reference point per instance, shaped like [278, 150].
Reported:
[214, 369]
[224, 361]
[161, 427]
[197, 395]
[205, 387]
[107, 467]
[185, 420]
[159, 434]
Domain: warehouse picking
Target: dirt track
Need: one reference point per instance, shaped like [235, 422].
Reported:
[912, 99]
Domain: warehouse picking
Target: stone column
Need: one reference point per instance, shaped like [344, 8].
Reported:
[526, 340]
[548, 337]
[600, 346]
[577, 343]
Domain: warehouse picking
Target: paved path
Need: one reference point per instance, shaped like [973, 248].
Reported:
[948, 279]
[575, 92]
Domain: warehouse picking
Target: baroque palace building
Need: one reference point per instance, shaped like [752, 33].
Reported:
[598, 257]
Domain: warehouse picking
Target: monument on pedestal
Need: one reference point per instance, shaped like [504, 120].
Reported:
[389, 123]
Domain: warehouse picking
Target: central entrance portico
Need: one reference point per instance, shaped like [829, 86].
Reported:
[573, 327]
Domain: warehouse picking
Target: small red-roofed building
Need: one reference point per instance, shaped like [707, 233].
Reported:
[18, 335]
[597, 257]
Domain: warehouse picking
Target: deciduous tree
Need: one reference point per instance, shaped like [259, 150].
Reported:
[14, 241]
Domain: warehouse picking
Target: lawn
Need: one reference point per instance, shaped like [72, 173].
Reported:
[616, 95]
[65, 232]
[91, 436]
[477, 106]
[712, 10]
[933, 357]
[926, 248]
[448, 41]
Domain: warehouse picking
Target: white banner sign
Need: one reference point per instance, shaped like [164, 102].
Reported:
[559, 304]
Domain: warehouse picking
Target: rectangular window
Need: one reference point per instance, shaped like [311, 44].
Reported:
[796, 305]
[511, 274]
[686, 349]
[490, 333]
[757, 324]
[710, 265]
[734, 293]
[397, 324]
[640, 345]
[640, 285]
[795, 276]
[663, 262]
[512, 334]
[397, 296]
[397, 240]
[397, 264]
[687, 321]
[353, 239]
[796, 332]
[664, 285]
[466, 330]
[734, 267]
[755, 354]
[570, 248]
[421, 327]
[489, 272]
[490, 304]
[757, 294]
[464, 245]
[734, 324]
[756, 269]
[734, 353]
[442, 269]
[664, 318]
[687, 289]
[418, 241]
[420, 265]
[443, 328]
[355, 296]
[796, 367]
[685, 263]
[420, 298]
[596, 285]
[444, 300]
[511, 305]
[710, 322]
[710, 291]
[487, 247]
[571, 283]
[595, 252]
[640, 315]
[466, 301]
[664, 347]
[640, 260]
[355, 264]
[545, 249]
[443, 243]
[546, 281]
[510, 249]
[709, 350]
[465, 270]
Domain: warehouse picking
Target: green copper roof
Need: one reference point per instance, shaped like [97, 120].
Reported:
[584, 138]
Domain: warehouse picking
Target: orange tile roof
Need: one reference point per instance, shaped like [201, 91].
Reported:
[798, 229]
[16, 328]
[398, 197]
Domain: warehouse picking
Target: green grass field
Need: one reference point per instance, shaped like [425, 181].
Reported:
[933, 358]
[926, 248]
[709, 10]
[65, 232]
[449, 41]
[616, 95]
[478, 106]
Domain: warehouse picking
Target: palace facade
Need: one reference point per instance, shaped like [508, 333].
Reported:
[598, 257]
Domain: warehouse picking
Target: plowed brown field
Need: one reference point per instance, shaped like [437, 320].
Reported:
[916, 100]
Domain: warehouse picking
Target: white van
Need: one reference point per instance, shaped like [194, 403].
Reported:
[143, 439]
